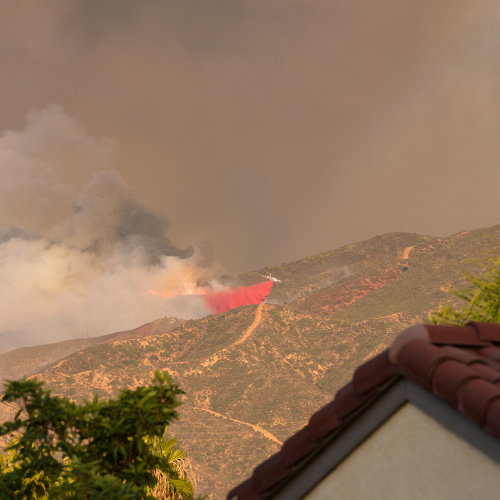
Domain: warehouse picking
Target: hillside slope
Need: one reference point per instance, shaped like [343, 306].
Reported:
[27, 361]
[253, 375]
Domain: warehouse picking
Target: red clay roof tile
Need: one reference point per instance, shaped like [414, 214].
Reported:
[464, 356]
[448, 377]
[415, 332]
[487, 331]
[486, 372]
[347, 400]
[372, 373]
[454, 335]
[297, 446]
[490, 353]
[268, 473]
[418, 360]
[323, 422]
[474, 397]
[493, 364]
[244, 491]
[492, 419]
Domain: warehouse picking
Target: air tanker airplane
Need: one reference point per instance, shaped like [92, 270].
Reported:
[270, 278]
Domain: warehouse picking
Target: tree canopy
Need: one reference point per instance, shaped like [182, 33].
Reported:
[482, 298]
[100, 449]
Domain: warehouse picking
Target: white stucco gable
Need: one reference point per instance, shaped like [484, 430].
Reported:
[412, 456]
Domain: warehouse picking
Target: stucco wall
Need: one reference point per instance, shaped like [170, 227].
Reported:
[412, 457]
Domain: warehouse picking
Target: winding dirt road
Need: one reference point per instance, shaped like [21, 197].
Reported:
[215, 358]
[252, 327]
[255, 323]
[254, 427]
[406, 252]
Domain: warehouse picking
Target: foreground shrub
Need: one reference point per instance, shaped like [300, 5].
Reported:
[482, 298]
[98, 450]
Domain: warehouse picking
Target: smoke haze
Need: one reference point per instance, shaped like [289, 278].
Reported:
[82, 250]
[272, 129]
[275, 129]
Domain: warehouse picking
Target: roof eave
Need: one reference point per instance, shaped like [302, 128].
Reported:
[336, 448]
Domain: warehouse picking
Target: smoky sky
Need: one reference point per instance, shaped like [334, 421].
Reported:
[271, 129]
[83, 253]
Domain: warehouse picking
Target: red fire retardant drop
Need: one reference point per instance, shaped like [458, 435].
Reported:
[220, 302]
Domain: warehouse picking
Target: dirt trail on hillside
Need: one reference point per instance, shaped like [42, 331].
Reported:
[255, 323]
[254, 427]
[406, 252]
[253, 326]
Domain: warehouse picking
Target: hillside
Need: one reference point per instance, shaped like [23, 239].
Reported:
[27, 361]
[254, 374]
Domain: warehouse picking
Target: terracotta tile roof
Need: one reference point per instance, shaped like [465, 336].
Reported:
[459, 365]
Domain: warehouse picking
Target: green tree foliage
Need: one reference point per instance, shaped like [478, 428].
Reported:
[169, 487]
[98, 450]
[482, 297]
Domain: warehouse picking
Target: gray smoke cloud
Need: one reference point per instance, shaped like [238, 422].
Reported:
[275, 129]
[82, 250]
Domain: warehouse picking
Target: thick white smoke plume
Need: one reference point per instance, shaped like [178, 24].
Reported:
[79, 247]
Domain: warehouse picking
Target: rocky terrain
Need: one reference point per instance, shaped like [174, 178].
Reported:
[254, 374]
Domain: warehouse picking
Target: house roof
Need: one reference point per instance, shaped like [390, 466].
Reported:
[458, 365]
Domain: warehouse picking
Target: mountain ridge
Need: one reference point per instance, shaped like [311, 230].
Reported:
[252, 381]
